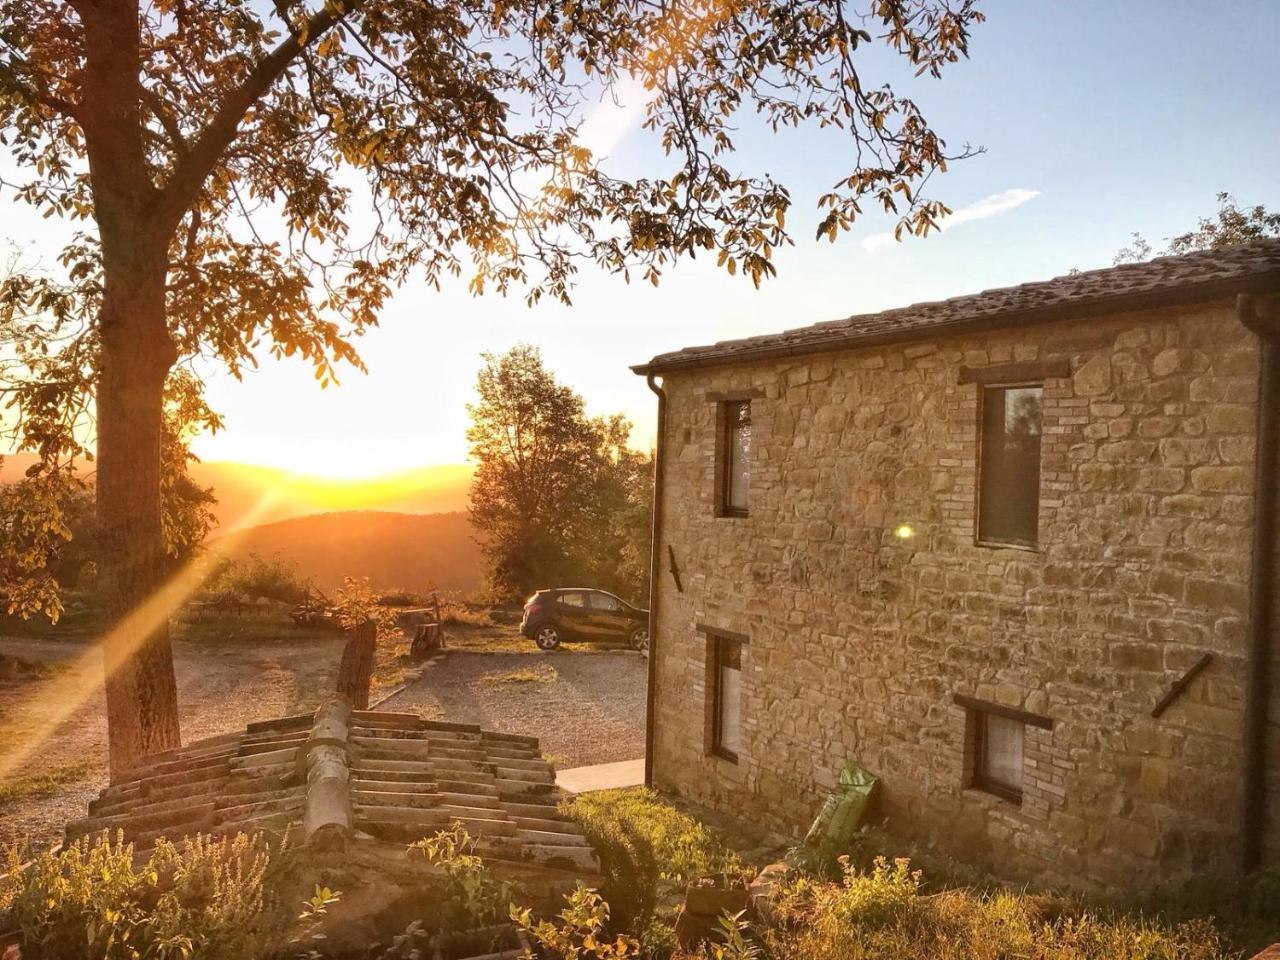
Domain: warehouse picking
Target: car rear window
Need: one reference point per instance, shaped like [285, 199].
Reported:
[573, 599]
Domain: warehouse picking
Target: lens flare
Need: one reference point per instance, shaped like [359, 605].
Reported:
[59, 700]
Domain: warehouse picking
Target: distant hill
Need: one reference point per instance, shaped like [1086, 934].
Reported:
[265, 494]
[394, 550]
[259, 495]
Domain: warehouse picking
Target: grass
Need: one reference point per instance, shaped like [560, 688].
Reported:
[44, 784]
[883, 913]
[648, 850]
[545, 674]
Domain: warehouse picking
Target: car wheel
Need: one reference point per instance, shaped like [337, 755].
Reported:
[640, 640]
[547, 637]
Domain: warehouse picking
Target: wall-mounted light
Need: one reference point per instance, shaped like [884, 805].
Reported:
[905, 532]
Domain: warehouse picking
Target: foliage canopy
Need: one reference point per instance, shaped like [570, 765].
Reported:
[556, 496]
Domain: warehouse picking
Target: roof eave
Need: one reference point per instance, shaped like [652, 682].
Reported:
[1201, 292]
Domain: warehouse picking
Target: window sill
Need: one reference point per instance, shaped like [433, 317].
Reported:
[1007, 545]
[998, 792]
[721, 754]
[732, 515]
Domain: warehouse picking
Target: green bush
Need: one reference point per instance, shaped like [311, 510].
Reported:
[201, 900]
[645, 845]
[275, 579]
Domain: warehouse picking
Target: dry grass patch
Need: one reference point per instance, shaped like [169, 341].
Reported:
[547, 674]
[21, 670]
[44, 784]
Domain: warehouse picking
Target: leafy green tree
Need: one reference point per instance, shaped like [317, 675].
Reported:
[216, 151]
[537, 456]
[1230, 227]
[557, 497]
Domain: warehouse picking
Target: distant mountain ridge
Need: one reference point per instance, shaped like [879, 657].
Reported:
[396, 551]
[258, 495]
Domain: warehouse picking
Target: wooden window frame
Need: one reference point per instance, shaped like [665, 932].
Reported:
[985, 385]
[726, 457]
[980, 779]
[977, 713]
[718, 643]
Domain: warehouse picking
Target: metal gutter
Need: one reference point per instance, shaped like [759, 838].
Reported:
[1261, 585]
[651, 694]
[835, 340]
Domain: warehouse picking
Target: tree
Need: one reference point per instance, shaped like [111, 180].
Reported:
[557, 497]
[174, 128]
[536, 456]
[49, 517]
[1232, 226]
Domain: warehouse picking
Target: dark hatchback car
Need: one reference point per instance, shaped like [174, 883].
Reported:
[552, 617]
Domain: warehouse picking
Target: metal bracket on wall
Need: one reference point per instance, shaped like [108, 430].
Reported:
[675, 569]
[1181, 684]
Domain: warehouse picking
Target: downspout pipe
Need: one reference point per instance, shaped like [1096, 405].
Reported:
[659, 473]
[1261, 584]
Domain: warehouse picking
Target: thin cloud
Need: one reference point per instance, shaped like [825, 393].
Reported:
[990, 206]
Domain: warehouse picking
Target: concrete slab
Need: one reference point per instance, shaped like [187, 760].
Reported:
[602, 776]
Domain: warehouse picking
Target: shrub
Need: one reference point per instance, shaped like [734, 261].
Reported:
[474, 898]
[203, 899]
[356, 603]
[275, 579]
[644, 844]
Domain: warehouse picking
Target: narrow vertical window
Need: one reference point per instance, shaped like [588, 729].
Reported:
[997, 755]
[1009, 498]
[727, 705]
[736, 464]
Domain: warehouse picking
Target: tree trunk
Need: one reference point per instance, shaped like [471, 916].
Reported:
[135, 357]
[137, 353]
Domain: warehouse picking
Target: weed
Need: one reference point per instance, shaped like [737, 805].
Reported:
[90, 901]
[474, 898]
[883, 914]
[580, 934]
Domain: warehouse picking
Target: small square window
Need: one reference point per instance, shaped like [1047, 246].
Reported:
[727, 697]
[1009, 495]
[996, 761]
[735, 459]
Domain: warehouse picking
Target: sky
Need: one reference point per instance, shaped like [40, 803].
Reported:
[1097, 119]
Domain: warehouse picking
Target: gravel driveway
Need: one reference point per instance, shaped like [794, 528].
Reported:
[220, 688]
[590, 710]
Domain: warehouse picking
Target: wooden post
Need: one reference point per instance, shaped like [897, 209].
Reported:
[355, 673]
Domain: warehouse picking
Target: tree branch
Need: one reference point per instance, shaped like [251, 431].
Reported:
[207, 149]
[13, 80]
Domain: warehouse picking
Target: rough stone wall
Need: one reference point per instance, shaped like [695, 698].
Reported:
[858, 640]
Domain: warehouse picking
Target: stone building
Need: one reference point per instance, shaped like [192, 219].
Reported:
[1011, 552]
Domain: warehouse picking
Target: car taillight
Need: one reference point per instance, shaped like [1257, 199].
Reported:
[533, 608]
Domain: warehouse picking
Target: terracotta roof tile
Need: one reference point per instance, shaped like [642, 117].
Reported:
[1209, 274]
[344, 774]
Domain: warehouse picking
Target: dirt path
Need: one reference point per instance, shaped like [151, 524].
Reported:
[220, 687]
[586, 706]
